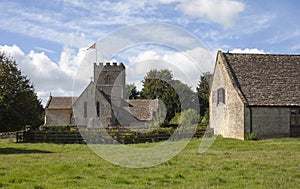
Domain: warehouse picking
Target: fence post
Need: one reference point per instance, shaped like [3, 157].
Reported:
[17, 137]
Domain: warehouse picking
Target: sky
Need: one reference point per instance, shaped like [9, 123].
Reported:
[49, 39]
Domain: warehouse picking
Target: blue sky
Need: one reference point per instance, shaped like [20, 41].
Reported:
[49, 38]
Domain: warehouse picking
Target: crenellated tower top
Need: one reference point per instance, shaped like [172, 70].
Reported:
[110, 78]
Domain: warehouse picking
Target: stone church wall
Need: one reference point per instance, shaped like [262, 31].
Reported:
[91, 96]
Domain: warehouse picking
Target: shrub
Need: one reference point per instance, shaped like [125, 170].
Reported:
[176, 119]
[205, 118]
[251, 136]
[187, 117]
[58, 128]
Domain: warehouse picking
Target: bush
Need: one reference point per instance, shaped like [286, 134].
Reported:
[71, 134]
[176, 119]
[187, 117]
[205, 118]
[58, 128]
[251, 136]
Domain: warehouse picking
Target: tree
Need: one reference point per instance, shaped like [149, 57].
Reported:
[187, 117]
[175, 95]
[131, 92]
[203, 92]
[188, 98]
[155, 83]
[19, 105]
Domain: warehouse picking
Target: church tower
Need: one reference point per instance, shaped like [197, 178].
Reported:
[110, 79]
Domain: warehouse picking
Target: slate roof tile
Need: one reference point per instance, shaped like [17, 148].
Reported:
[266, 79]
[60, 102]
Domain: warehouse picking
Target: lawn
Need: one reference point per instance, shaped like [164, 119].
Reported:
[228, 163]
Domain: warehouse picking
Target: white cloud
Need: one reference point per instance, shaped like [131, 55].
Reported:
[186, 66]
[223, 12]
[282, 37]
[73, 72]
[78, 23]
[73, 23]
[44, 49]
[167, 1]
[46, 75]
[247, 50]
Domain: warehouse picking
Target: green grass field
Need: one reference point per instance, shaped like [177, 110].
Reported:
[228, 163]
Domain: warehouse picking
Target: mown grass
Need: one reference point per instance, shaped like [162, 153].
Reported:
[228, 163]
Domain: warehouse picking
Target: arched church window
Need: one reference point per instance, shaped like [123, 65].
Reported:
[98, 109]
[85, 109]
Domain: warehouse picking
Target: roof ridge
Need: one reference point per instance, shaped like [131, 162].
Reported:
[263, 54]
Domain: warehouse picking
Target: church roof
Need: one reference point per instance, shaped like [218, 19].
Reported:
[60, 102]
[265, 79]
[142, 109]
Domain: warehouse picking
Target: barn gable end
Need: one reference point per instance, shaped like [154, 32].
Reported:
[269, 87]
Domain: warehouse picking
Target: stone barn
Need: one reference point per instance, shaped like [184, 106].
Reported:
[255, 93]
[102, 103]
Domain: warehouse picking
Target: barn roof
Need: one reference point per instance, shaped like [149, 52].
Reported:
[60, 102]
[265, 79]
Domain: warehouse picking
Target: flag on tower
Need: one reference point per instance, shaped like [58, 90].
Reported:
[93, 46]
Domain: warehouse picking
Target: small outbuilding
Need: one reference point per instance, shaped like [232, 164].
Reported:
[58, 110]
[255, 93]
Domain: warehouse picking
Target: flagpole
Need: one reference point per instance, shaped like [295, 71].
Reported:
[94, 46]
[96, 51]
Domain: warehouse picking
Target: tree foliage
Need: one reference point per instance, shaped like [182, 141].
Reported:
[175, 95]
[19, 105]
[203, 92]
[187, 117]
[131, 92]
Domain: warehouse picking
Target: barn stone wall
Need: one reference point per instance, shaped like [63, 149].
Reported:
[268, 122]
[58, 117]
[227, 119]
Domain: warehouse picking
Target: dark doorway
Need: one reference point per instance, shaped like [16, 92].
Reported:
[295, 122]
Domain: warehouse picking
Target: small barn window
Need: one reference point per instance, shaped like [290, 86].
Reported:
[221, 95]
[98, 109]
[107, 79]
[85, 109]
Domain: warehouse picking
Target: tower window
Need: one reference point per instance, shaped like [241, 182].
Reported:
[107, 79]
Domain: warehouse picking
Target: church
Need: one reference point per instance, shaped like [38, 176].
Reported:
[102, 103]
